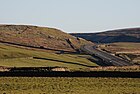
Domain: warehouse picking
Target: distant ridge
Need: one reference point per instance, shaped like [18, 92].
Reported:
[119, 35]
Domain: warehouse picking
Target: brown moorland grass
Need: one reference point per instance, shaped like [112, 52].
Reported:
[123, 47]
[40, 37]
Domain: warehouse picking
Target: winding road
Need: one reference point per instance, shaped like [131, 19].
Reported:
[107, 58]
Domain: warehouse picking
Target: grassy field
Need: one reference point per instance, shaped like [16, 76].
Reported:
[122, 46]
[19, 57]
[127, 45]
[42, 85]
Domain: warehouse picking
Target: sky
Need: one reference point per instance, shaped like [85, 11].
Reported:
[72, 15]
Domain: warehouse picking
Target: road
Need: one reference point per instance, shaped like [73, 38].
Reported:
[107, 58]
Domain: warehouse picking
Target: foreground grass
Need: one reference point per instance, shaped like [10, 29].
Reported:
[42, 85]
[18, 57]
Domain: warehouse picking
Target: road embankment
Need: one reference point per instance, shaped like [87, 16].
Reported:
[106, 58]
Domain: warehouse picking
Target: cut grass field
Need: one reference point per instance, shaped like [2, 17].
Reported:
[42, 85]
[20, 57]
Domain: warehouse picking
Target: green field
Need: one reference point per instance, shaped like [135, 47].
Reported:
[42, 85]
[19, 57]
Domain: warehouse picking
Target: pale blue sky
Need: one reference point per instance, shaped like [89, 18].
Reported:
[72, 15]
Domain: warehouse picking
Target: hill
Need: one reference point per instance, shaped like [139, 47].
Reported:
[43, 37]
[33, 46]
[120, 35]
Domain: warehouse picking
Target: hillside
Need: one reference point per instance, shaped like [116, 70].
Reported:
[121, 35]
[33, 46]
[43, 37]
[14, 56]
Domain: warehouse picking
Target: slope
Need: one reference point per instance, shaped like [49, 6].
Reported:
[43, 37]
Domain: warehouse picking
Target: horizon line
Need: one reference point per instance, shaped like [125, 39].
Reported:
[119, 28]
